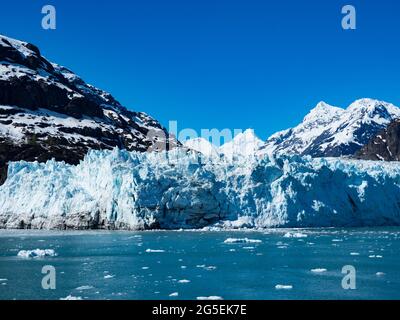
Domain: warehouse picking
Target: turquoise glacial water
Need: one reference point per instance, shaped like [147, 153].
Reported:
[192, 264]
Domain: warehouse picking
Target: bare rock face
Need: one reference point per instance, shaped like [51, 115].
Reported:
[385, 146]
[47, 111]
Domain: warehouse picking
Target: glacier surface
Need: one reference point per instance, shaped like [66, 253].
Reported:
[171, 190]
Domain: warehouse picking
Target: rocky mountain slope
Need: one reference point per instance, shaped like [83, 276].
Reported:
[47, 111]
[329, 131]
[385, 146]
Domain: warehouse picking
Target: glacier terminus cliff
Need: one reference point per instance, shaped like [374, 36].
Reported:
[119, 189]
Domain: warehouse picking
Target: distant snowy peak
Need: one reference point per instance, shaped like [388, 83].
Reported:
[203, 146]
[323, 112]
[243, 144]
[329, 131]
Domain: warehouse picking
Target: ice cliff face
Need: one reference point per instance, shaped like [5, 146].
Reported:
[131, 190]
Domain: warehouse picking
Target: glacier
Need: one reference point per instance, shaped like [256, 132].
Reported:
[178, 189]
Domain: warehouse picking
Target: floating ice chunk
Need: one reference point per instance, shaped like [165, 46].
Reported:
[283, 287]
[294, 235]
[241, 240]
[81, 288]
[154, 250]
[184, 281]
[210, 268]
[319, 270]
[174, 294]
[203, 266]
[210, 298]
[69, 297]
[37, 253]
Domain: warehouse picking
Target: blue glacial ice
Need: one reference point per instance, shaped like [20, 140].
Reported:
[129, 190]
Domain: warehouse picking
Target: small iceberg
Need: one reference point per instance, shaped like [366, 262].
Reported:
[283, 287]
[318, 270]
[81, 288]
[37, 253]
[203, 266]
[295, 235]
[69, 297]
[154, 250]
[184, 281]
[210, 298]
[241, 240]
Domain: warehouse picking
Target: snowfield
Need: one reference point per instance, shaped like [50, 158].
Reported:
[132, 190]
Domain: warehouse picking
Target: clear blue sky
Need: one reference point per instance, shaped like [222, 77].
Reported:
[221, 63]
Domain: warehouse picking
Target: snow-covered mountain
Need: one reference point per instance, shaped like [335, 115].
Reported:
[203, 146]
[244, 144]
[329, 131]
[47, 111]
[132, 190]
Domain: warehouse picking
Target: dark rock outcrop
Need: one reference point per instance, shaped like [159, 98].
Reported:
[385, 146]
